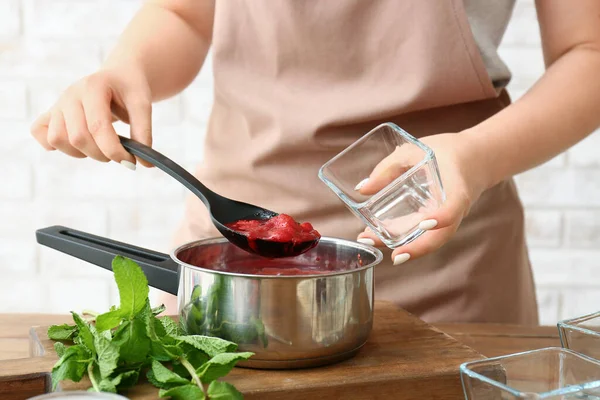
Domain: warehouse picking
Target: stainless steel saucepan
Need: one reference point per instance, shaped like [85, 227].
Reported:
[288, 321]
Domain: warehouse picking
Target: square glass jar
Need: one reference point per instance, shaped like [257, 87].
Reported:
[395, 210]
[550, 373]
[581, 334]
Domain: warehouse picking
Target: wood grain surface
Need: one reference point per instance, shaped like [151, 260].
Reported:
[404, 357]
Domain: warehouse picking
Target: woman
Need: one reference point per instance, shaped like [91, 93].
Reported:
[296, 82]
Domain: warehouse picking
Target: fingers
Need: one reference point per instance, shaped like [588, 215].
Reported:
[398, 162]
[57, 136]
[96, 105]
[368, 237]
[452, 210]
[439, 225]
[77, 130]
[139, 110]
[39, 130]
[80, 124]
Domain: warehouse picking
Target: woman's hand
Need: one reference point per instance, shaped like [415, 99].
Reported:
[80, 122]
[462, 181]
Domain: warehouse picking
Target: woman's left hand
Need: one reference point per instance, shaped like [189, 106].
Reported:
[462, 181]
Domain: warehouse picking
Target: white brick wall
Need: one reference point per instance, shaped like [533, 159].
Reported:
[46, 45]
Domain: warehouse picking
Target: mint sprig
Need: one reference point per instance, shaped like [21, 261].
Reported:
[117, 347]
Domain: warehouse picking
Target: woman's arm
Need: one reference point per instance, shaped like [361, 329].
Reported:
[168, 41]
[562, 108]
[160, 52]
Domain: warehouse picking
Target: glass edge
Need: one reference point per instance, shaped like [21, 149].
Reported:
[570, 389]
[585, 317]
[412, 139]
[428, 157]
[337, 191]
[403, 177]
[562, 327]
[465, 370]
[355, 143]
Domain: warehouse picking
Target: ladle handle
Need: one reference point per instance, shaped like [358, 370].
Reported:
[170, 167]
[160, 270]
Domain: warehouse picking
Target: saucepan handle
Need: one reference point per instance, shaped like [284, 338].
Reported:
[160, 270]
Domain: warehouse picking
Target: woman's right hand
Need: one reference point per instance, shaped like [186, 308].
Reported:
[80, 123]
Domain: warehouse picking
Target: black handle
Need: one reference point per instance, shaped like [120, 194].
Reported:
[170, 167]
[160, 270]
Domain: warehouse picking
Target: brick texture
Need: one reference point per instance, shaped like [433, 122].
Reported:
[583, 229]
[46, 45]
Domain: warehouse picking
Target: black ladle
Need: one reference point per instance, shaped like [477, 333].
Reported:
[222, 210]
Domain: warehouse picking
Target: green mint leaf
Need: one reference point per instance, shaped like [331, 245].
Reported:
[162, 347]
[107, 354]
[220, 365]
[60, 349]
[72, 365]
[187, 392]
[108, 320]
[183, 328]
[164, 352]
[150, 377]
[218, 390]
[132, 341]
[158, 310]
[119, 383]
[208, 344]
[132, 285]
[156, 330]
[96, 379]
[126, 379]
[164, 378]
[194, 356]
[171, 327]
[106, 385]
[86, 333]
[62, 332]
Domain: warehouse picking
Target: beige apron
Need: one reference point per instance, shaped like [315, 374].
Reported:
[295, 82]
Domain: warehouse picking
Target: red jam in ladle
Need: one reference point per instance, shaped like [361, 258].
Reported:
[281, 229]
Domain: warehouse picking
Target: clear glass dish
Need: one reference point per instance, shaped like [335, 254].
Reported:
[581, 334]
[395, 211]
[549, 373]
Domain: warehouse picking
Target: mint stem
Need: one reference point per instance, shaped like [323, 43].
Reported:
[192, 371]
[91, 375]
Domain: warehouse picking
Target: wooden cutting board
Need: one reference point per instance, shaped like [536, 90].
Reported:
[405, 358]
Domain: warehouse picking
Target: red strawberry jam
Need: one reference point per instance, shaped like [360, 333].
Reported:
[281, 228]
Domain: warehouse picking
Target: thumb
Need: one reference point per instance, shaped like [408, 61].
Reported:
[139, 110]
[391, 167]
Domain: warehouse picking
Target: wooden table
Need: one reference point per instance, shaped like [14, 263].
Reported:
[404, 356]
[488, 339]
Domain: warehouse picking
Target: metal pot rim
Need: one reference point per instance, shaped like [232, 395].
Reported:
[214, 240]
